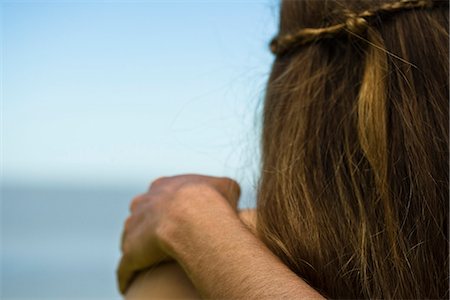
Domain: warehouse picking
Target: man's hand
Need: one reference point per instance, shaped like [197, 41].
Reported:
[169, 205]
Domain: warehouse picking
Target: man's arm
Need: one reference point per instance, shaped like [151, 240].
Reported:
[227, 261]
[193, 220]
[168, 280]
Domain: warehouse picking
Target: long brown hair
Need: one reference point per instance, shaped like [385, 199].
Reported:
[353, 194]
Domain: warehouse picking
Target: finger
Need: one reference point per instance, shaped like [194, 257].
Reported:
[125, 274]
[130, 224]
[136, 202]
[158, 182]
[227, 187]
[129, 269]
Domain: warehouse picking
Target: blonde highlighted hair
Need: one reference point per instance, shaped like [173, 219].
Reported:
[353, 194]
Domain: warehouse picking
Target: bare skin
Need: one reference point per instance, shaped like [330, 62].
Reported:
[168, 280]
[193, 220]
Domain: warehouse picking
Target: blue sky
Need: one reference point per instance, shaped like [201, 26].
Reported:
[119, 92]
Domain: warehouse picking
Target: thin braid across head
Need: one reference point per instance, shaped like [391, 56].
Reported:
[354, 24]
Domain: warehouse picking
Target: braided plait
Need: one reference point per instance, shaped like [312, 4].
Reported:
[354, 24]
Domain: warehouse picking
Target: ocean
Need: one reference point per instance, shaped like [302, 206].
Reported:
[62, 243]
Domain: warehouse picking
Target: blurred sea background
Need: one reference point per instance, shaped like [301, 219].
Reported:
[98, 98]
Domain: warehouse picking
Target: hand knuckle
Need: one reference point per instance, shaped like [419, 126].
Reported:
[158, 181]
[126, 247]
[128, 223]
[135, 201]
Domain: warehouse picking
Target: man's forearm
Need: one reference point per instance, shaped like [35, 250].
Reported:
[225, 260]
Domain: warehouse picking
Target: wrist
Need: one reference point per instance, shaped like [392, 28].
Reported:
[200, 216]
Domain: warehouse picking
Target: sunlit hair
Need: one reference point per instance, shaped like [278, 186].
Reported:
[354, 193]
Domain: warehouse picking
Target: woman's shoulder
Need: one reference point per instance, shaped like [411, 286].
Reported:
[164, 281]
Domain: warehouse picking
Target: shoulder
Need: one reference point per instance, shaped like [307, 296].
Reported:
[248, 217]
[165, 281]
